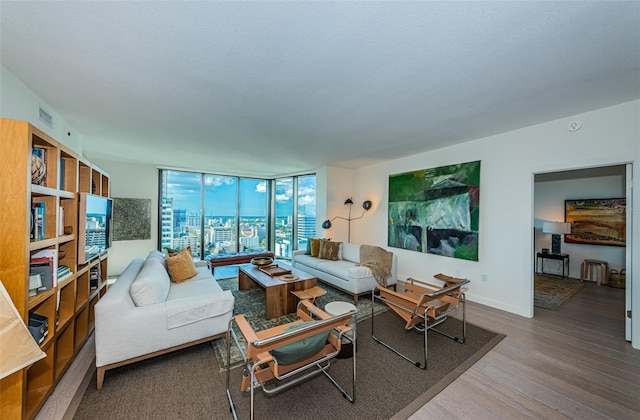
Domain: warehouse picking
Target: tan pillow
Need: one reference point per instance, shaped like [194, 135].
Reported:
[173, 252]
[181, 266]
[329, 250]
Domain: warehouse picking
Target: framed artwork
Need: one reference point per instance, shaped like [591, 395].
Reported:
[436, 211]
[599, 221]
[131, 219]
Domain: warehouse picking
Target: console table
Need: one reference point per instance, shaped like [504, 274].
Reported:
[558, 257]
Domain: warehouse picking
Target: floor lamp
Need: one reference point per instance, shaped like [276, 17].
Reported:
[556, 229]
[348, 202]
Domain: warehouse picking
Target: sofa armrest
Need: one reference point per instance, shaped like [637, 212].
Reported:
[202, 263]
[297, 252]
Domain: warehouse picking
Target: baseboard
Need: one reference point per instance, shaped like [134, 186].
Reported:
[77, 398]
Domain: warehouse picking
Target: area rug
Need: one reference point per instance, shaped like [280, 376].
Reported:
[553, 292]
[188, 384]
[251, 304]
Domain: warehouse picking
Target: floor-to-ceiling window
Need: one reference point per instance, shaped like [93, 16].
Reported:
[224, 214]
[254, 202]
[220, 214]
[306, 193]
[181, 210]
[284, 203]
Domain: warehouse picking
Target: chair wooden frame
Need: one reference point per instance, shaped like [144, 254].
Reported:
[424, 306]
[261, 366]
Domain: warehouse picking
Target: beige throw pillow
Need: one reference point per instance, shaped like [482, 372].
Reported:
[181, 266]
[329, 250]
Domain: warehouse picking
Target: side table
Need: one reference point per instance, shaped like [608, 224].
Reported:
[338, 308]
[558, 257]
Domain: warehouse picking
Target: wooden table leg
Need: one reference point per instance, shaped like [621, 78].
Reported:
[275, 301]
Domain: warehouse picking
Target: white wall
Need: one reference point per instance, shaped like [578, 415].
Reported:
[509, 161]
[18, 102]
[549, 206]
[339, 188]
[132, 181]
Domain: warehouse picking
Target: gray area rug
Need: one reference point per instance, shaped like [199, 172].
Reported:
[188, 384]
[251, 304]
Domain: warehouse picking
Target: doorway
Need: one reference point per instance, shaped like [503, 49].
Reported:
[551, 189]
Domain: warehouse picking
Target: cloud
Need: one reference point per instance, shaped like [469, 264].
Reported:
[306, 200]
[218, 180]
[261, 187]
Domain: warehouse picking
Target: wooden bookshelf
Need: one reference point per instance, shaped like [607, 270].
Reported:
[69, 303]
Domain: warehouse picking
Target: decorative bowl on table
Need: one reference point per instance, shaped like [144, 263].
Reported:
[261, 261]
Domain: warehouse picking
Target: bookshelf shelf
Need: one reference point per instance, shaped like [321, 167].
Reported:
[52, 181]
[36, 300]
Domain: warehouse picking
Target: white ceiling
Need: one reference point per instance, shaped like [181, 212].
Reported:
[268, 88]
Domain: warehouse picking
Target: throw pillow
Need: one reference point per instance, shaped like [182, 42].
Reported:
[315, 246]
[151, 285]
[181, 266]
[329, 250]
[300, 350]
[173, 252]
[308, 250]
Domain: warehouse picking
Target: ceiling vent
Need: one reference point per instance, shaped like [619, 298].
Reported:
[45, 117]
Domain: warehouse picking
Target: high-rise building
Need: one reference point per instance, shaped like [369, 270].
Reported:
[193, 219]
[179, 222]
[166, 228]
[306, 226]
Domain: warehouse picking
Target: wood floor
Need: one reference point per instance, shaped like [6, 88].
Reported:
[571, 363]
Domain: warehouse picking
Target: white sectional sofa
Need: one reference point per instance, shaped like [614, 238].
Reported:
[345, 273]
[145, 314]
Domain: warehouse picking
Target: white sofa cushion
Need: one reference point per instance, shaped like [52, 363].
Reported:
[336, 268]
[359, 272]
[351, 252]
[158, 256]
[309, 261]
[151, 285]
[195, 300]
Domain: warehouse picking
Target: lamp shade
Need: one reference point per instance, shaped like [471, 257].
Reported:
[557, 228]
[18, 349]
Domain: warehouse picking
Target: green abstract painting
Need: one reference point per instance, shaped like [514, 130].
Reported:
[436, 211]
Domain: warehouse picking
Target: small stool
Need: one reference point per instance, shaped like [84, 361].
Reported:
[590, 267]
[310, 294]
[338, 308]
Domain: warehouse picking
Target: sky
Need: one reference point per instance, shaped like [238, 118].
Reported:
[220, 193]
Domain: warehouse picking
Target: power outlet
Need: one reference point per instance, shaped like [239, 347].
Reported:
[483, 277]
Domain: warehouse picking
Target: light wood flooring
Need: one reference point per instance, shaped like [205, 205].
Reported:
[571, 363]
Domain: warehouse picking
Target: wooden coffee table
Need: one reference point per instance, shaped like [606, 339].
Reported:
[279, 299]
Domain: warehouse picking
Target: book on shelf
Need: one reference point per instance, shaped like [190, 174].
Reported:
[44, 268]
[61, 175]
[32, 233]
[63, 270]
[95, 276]
[50, 256]
[38, 209]
[61, 221]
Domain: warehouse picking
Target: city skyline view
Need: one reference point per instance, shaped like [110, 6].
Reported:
[225, 214]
